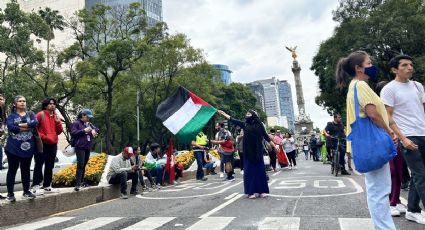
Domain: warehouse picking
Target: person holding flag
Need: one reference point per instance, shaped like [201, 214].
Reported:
[255, 178]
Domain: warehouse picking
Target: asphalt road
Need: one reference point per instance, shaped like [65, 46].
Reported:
[304, 198]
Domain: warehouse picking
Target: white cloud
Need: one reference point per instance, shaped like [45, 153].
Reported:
[249, 36]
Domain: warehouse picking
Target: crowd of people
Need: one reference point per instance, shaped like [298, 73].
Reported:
[397, 107]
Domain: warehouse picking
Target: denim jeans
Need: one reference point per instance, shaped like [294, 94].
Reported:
[199, 155]
[416, 162]
[378, 187]
[83, 156]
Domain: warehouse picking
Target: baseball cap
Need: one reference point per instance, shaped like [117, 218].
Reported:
[128, 150]
[87, 112]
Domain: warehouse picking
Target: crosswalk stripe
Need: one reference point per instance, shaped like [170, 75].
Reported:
[95, 223]
[150, 223]
[356, 223]
[42, 223]
[288, 223]
[211, 223]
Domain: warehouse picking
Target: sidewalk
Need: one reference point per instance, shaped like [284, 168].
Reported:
[23, 210]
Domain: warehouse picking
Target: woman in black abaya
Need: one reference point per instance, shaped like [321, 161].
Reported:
[255, 178]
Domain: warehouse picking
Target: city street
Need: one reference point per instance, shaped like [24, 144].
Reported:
[304, 198]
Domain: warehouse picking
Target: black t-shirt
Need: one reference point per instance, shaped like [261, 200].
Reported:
[335, 130]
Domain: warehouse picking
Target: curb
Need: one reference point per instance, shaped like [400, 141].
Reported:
[23, 211]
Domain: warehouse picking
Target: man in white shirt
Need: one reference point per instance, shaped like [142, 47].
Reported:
[404, 100]
[121, 170]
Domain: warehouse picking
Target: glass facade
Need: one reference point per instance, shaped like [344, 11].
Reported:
[225, 73]
[153, 8]
[286, 105]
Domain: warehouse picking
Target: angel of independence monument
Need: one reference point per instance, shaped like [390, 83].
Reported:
[303, 124]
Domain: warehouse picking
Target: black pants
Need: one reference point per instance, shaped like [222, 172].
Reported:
[272, 155]
[148, 175]
[83, 156]
[416, 162]
[15, 162]
[48, 159]
[241, 158]
[291, 158]
[1, 157]
[122, 178]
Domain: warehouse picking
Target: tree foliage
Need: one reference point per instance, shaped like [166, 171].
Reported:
[381, 28]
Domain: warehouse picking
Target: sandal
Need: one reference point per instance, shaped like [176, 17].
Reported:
[252, 196]
[264, 195]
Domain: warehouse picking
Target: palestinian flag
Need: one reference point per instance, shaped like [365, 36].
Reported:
[184, 114]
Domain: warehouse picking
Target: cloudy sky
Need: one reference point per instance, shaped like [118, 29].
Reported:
[249, 36]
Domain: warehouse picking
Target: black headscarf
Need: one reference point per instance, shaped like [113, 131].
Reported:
[254, 133]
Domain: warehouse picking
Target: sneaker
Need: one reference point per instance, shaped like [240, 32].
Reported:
[203, 179]
[401, 208]
[221, 175]
[241, 172]
[415, 216]
[2, 197]
[394, 211]
[37, 190]
[10, 198]
[158, 186]
[51, 190]
[77, 188]
[29, 195]
[124, 196]
[295, 167]
[230, 179]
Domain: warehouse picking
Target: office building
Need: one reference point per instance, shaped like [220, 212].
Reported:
[225, 73]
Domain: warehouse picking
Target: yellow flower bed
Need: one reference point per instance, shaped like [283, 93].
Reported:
[215, 153]
[94, 170]
[186, 159]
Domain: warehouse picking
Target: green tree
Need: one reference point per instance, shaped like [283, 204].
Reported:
[383, 29]
[109, 41]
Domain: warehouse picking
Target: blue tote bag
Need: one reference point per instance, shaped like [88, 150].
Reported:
[371, 146]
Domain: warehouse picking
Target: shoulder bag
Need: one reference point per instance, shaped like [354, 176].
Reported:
[371, 146]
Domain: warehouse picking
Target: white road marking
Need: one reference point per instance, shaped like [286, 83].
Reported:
[95, 223]
[42, 223]
[272, 182]
[289, 184]
[358, 188]
[287, 223]
[150, 223]
[355, 223]
[190, 197]
[339, 184]
[211, 223]
[296, 204]
[404, 202]
[276, 173]
[221, 206]
[221, 184]
[231, 196]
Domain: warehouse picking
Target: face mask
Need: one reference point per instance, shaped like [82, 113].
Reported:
[372, 72]
[248, 119]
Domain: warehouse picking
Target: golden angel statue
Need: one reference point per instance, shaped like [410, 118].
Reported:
[292, 50]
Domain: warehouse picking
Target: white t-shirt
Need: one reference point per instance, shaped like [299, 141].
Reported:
[407, 100]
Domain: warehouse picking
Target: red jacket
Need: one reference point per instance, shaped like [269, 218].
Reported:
[48, 128]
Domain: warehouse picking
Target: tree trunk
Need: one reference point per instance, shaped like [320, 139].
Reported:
[108, 119]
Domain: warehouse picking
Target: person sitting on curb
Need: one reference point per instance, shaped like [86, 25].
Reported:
[155, 164]
[209, 164]
[143, 171]
[121, 170]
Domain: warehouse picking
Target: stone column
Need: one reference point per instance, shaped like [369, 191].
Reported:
[296, 69]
